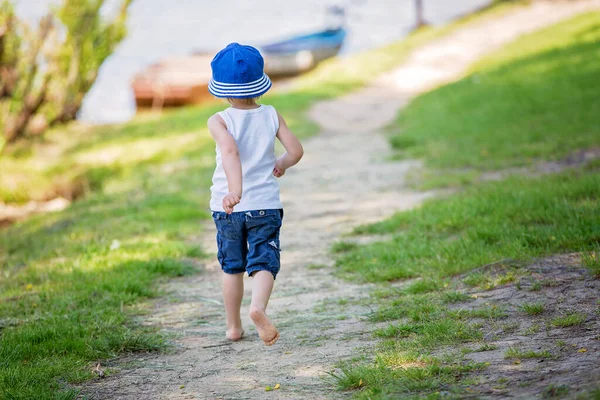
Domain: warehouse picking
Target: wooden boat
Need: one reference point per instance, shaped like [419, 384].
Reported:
[175, 81]
[178, 81]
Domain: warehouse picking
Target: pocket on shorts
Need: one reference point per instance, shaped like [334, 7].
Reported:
[265, 224]
[225, 226]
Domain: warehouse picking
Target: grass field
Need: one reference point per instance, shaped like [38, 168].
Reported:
[537, 99]
[72, 282]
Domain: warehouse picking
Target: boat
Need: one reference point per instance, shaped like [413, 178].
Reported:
[177, 81]
[174, 81]
[302, 53]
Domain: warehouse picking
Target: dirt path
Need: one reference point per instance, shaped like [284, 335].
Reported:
[344, 180]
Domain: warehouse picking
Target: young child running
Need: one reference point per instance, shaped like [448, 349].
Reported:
[245, 194]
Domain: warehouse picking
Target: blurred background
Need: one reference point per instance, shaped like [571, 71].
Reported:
[157, 29]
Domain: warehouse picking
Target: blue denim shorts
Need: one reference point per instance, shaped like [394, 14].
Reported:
[248, 241]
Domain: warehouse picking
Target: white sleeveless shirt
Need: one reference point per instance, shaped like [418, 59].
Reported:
[254, 132]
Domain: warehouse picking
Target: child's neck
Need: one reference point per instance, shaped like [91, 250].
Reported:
[244, 105]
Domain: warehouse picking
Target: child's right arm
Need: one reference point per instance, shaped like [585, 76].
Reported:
[293, 149]
[231, 161]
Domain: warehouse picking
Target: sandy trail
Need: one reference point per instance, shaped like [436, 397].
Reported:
[345, 179]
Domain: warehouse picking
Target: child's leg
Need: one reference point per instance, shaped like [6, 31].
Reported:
[263, 265]
[231, 242]
[233, 292]
[261, 292]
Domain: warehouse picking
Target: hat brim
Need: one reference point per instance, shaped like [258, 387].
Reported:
[240, 90]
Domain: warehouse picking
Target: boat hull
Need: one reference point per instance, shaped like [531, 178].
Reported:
[179, 81]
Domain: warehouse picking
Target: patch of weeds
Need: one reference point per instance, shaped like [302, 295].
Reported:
[316, 266]
[444, 331]
[455, 297]
[555, 391]
[343, 247]
[416, 307]
[425, 285]
[591, 260]
[488, 281]
[593, 394]
[516, 353]
[195, 252]
[398, 331]
[536, 286]
[320, 309]
[477, 279]
[532, 330]
[486, 347]
[510, 327]
[532, 308]
[386, 292]
[572, 319]
[401, 375]
[508, 277]
[561, 343]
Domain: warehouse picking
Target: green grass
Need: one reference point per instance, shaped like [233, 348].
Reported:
[516, 219]
[532, 308]
[401, 377]
[591, 260]
[513, 352]
[572, 319]
[536, 99]
[536, 286]
[556, 391]
[532, 330]
[316, 266]
[486, 347]
[487, 281]
[455, 297]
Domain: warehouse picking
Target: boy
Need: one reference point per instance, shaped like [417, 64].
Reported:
[245, 194]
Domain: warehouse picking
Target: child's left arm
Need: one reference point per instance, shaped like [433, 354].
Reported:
[293, 149]
[231, 161]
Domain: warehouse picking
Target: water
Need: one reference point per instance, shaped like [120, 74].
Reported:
[158, 28]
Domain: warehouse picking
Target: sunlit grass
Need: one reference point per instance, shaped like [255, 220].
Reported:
[514, 352]
[591, 260]
[536, 99]
[572, 319]
[514, 219]
[532, 308]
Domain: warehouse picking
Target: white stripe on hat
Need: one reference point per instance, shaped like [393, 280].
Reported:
[262, 78]
[251, 89]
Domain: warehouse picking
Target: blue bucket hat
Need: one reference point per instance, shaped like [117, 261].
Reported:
[237, 72]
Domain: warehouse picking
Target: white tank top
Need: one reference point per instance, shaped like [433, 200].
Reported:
[254, 132]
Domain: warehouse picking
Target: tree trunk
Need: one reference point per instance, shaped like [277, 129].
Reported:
[17, 125]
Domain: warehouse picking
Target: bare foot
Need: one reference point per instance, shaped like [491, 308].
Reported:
[266, 330]
[234, 334]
